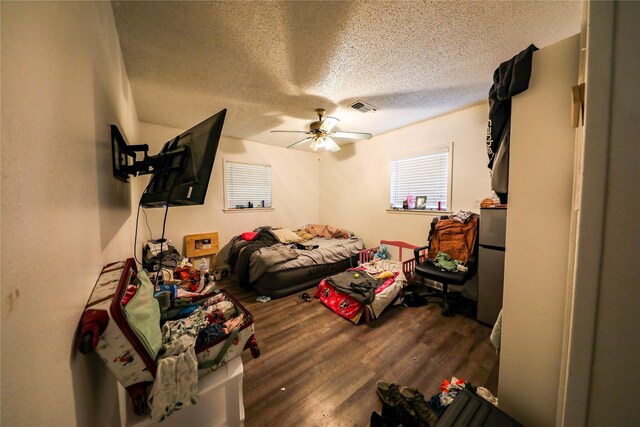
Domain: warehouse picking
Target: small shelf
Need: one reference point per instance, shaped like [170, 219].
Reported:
[419, 212]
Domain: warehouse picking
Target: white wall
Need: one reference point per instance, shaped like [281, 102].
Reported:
[615, 370]
[63, 214]
[354, 182]
[295, 191]
[540, 195]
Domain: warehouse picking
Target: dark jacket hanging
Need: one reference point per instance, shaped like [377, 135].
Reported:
[509, 79]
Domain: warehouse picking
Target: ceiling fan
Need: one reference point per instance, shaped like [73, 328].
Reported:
[322, 133]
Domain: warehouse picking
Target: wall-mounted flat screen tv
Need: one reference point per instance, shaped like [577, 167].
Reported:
[182, 169]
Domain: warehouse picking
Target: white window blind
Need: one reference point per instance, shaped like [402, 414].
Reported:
[244, 183]
[426, 175]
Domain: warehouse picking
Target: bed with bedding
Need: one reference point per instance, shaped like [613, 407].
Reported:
[280, 262]
[364, 292]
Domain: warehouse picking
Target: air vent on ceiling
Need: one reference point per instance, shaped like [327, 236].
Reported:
[363, 107]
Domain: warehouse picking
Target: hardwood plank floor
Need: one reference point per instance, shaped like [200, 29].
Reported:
[318, 369]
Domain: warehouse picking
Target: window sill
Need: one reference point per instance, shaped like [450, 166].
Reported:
[419, 212]
[248, 210]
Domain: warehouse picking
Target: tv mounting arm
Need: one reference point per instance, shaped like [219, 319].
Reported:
[124, 158]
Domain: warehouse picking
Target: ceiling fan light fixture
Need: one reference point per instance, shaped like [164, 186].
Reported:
[331, 145]
[321, 132]
[323, 143]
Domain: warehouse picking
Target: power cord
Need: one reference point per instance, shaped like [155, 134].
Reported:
[135, 238]
[146, 220]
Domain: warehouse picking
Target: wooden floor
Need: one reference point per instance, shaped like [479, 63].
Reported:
[318, 369]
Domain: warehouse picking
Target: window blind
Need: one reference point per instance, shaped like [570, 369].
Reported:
[426, 175]
[244, 183]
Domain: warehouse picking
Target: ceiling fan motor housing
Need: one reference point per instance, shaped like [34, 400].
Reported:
[323, 131]
[315, 126]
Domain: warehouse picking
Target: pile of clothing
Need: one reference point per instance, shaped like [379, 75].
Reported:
[157, 254]
[452, 240]
[237, 253]
[406, 406]
[176, 383]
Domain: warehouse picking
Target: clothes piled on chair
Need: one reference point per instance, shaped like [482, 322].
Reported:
[453, 238]
[451, 257]
[461, 216]
[445, 262]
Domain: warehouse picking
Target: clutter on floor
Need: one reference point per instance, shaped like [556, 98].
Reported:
[407, 406]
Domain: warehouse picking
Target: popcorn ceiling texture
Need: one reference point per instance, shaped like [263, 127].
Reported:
[272, 63]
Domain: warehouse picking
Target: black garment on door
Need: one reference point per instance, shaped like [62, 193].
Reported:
[509, 79]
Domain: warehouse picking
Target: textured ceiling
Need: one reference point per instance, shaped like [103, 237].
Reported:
[272, 63]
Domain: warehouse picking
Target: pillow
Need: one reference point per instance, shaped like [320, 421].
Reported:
[143, 314]
[284, 235]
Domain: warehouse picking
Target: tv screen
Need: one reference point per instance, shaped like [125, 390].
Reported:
[182, 169]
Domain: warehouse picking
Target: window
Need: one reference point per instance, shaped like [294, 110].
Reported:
[247, 185]
[427, 175]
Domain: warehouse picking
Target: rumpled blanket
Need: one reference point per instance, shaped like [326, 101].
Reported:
[241, 266]
[326, 231]
[269, 256]
[358, 284]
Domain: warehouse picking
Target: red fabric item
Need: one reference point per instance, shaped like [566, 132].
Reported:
[338, 302]
[341, 303]
[248, 235]
[131, 291]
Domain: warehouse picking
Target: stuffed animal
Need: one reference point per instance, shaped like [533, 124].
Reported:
[382, 252]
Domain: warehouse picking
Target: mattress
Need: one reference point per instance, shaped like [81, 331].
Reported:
[280, 283]
[281, 270]
[328, 251]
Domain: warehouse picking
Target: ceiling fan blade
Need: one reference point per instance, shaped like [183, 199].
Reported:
[300, 142]
[330, 144]
[292, 131]
[351, 135]
[328, 123]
